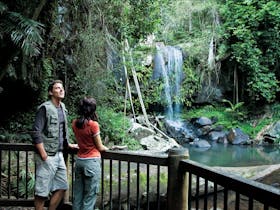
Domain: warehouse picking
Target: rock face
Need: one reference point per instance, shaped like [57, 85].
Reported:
[270, 134]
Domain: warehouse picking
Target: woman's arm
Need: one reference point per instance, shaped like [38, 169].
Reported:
[98, 143]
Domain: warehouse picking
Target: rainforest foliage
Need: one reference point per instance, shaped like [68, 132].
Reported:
[250, 34]
[88, 44]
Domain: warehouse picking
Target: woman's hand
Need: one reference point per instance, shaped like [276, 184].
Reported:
[73, 146]
[118, 147]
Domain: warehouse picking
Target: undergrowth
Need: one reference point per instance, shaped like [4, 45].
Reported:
[114, 125]
[249, 123]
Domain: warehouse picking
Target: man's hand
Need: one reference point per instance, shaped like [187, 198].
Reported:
[42, 151]
[44, 156]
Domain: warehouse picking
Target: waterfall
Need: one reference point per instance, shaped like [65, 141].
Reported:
[211, 56]
[168, 66]
[211, 49]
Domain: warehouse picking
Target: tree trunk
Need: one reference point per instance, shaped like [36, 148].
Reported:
[235, 86]
[137, 84]
[128, 86]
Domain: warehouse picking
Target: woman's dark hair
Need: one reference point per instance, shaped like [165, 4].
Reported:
[86, 111]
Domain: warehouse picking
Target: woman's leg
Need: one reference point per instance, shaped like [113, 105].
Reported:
[92, 182]
[78, 187]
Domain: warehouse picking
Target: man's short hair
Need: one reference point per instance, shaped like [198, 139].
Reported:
[52, 84]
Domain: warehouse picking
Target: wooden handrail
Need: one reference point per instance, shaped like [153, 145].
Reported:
[179, 171]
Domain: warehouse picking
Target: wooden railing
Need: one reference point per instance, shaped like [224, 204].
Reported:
[219, 190]
[132, 180]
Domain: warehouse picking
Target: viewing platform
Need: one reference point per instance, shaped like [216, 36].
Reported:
[131, 180]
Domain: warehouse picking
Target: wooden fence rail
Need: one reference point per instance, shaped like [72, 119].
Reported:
[132, 180]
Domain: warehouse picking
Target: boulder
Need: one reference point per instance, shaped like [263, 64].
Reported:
[215, 135]
[201, 121]
[237, 136]
[138, 131]
[201, 144]
[158, 144]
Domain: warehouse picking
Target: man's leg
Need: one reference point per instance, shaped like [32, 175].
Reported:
[56, 198]
[59, 182]
[39, 202]
[43, 178]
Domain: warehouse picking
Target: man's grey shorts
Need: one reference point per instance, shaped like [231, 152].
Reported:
[51, 175]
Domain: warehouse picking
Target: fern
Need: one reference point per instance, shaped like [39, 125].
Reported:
[30, 183]
[234, 109]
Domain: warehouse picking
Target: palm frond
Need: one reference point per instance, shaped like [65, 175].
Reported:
[3, 8]
[24, 32]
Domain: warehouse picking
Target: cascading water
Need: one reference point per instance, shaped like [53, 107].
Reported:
[211, 56]
[168, 66]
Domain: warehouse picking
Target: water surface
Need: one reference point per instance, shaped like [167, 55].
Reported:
[235, 155]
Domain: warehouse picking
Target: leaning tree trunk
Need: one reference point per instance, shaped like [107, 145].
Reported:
[128, 87]
[137, 84]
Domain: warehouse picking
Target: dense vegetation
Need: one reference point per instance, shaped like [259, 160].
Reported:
[251, 38]
[88, 44]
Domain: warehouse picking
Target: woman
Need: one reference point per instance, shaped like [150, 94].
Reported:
[88, 169]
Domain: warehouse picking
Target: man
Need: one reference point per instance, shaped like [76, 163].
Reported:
[50, 137]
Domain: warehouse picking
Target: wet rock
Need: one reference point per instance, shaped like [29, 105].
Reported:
[272, 134]
[204, 130]
[269, 134]
[201, 144]
[218, 128]
[179, 131]
[269, 139]
[237, 136]
[202, 121]
[215, 135]
[222, 140]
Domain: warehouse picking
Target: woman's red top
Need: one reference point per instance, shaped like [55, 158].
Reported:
[85, 139]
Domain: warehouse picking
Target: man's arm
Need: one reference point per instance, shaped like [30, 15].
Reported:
[41, 150]
[39, 124]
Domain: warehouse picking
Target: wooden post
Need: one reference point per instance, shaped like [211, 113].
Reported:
[66, 159]
[177, 189]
